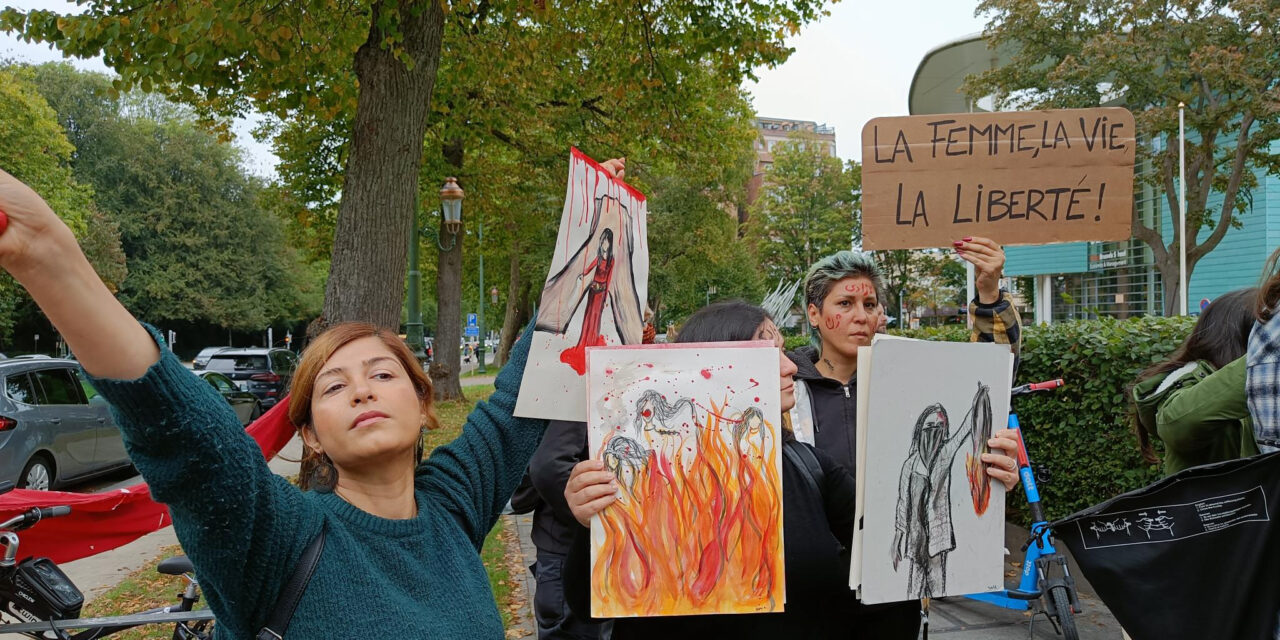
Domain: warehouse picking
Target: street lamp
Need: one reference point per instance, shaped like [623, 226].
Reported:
[451, 208]
[451, 196]
[493, 296]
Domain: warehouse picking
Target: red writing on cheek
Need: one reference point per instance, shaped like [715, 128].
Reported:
[834, 321]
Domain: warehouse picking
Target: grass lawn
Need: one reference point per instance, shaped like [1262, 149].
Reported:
[146, 589]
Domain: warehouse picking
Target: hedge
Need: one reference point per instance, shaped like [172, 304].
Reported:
[1079, 437]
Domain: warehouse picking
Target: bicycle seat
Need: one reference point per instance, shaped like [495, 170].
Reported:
[175, 566]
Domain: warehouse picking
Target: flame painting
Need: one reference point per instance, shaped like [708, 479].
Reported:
[692, 432]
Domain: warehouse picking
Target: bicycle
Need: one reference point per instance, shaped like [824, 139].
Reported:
[1045, 579]
[47, 604]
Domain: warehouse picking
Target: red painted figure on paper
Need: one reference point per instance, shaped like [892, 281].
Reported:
[600, 270]
[597, 275]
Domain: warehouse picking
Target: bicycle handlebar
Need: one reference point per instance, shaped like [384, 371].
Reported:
[33, 515]
[1033, 387]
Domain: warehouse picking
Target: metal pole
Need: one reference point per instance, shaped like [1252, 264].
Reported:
[1182, 211]
[413, 326]
[480, 316]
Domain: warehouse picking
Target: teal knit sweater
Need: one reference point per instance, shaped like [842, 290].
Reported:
[244, 527]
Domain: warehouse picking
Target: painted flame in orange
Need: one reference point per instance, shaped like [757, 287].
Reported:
[979, 484]
[701, 539]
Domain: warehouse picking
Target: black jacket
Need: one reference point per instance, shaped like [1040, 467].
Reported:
[835, 409]
[563, 446]
[835, 405]
[818, 528]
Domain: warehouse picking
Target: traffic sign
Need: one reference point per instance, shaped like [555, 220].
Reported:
[472, 332]
[471, 320]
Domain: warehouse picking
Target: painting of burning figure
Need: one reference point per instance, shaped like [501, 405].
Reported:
[693, 434]
[593, 293]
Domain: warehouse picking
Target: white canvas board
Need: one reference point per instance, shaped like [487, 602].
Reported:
[595, 293]
[693, 435]
[928, 530]
[860, 444]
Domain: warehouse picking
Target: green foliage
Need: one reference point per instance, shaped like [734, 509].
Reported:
[1081, 434]
[694, 248]
[34, 149]
[791, 343]
[808, 208]
[1218, 57]
[177, 209]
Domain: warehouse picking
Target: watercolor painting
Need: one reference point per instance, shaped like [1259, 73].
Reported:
[594, 292]
[933, 523]
[693, 434]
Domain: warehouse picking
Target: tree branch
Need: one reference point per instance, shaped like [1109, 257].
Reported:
[1195, 252]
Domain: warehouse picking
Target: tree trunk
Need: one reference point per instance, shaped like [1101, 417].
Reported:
[380, 188]
[511, 321]
[445, 368]
[1169, 279]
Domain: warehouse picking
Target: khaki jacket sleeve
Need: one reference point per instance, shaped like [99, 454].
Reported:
[1190, 417]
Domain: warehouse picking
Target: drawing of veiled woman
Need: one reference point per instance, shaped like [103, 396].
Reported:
[924, 533]
[598, 272]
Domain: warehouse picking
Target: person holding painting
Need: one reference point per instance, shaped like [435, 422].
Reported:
[843, 295]
[396, 540]
[818, 509]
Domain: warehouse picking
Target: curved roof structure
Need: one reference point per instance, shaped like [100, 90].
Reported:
[936, 85]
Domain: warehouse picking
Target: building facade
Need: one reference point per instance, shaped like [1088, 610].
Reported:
[1115, 279]
[770, 132]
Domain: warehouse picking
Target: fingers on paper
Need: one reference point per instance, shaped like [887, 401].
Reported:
[616, 167]
[1002, 467]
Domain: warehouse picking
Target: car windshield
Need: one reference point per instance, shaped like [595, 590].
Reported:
[229, 363]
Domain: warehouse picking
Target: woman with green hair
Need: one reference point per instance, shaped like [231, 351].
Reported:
[843, 295]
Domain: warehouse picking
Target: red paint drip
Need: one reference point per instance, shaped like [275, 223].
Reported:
[757, 398]
[706, 373]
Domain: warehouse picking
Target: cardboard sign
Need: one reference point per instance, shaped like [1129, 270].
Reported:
[1029, 177]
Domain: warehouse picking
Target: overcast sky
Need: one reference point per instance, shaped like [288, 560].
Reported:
[850, 67]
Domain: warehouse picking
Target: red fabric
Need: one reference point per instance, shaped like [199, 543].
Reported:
[103, 521]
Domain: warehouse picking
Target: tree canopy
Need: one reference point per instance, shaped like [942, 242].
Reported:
[808, 207]
[1218, 57]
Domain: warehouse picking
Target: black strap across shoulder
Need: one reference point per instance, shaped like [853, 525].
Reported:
[278, 622]
[804, 460]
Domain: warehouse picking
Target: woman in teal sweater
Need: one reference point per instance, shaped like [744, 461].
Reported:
[402, 538]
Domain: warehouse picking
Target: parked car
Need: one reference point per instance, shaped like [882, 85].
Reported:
[246, 405]
[202, 358]
[54, 428]
[265, 373]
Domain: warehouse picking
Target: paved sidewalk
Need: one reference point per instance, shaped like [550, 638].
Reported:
[955, 618]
